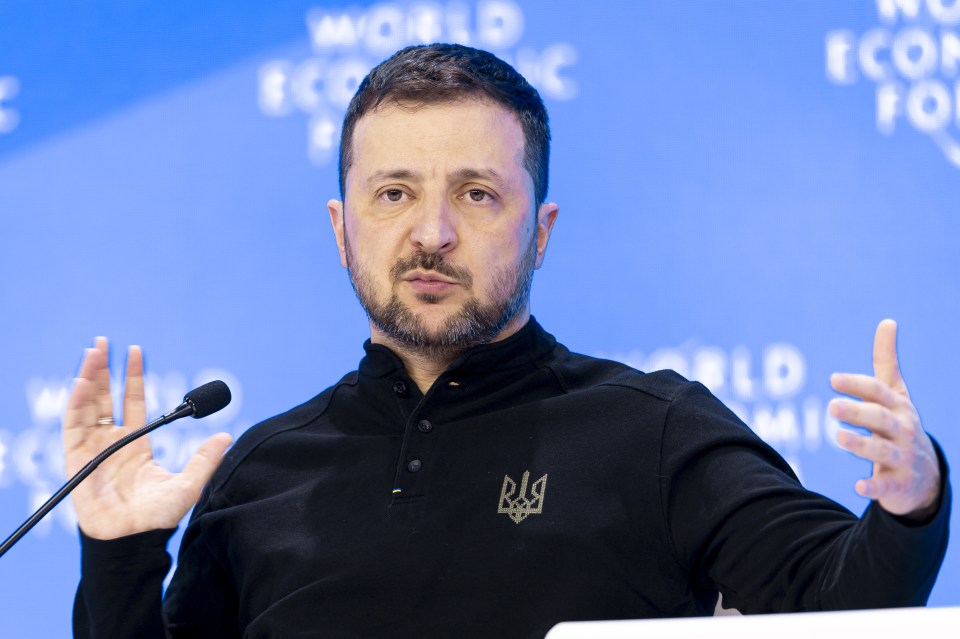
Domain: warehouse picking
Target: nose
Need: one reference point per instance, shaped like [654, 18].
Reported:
[434, 228]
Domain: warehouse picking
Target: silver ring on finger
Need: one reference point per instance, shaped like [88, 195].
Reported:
[105, 421]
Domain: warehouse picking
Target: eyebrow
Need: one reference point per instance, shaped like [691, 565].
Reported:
[458, 175]
[479, 174]
[392, 174]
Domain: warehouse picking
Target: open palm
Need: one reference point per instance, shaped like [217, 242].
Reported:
[129, 492]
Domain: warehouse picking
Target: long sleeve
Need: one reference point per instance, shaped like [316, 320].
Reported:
[121, 587]
[742, 523]
[660, 498]
[201, 602]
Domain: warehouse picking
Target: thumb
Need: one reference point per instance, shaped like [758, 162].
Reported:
[886, 368]
[200, 468]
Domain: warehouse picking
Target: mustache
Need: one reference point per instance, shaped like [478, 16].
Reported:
[430, 262]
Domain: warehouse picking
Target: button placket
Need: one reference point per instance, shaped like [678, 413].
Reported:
[417, 459]
[420, 441]
[420, 446]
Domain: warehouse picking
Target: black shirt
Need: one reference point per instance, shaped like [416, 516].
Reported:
[529, 486]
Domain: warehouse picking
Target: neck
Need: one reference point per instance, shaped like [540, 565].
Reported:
[424, 364]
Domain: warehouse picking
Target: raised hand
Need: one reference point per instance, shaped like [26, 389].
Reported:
[906, 475]
[129, 492]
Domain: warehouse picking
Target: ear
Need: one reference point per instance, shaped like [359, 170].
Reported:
[335, 208]
[546, 216]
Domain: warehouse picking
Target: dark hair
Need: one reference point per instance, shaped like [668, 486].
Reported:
[437, 73]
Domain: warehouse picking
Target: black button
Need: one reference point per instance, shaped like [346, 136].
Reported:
[400, 388]
[414, 465]
[424, 426]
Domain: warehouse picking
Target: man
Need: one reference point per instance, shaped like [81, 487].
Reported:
[473, 477]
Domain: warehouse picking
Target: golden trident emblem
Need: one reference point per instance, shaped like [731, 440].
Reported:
[520, 507]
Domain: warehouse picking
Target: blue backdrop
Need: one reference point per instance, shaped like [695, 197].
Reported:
[746, 188]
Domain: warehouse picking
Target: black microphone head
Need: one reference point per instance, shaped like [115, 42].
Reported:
[208, 399]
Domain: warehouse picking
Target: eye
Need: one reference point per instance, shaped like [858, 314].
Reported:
[392, 195]
[478, 195]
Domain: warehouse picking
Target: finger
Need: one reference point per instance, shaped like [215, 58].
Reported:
[875, 449]
[200, 468]
[886, 368]
[878, 487]
[134, 403]
[80, 416]
[102, 380]
[874, 417]
[93, 361]
[81, 406]
[867, 388]
[79, 423]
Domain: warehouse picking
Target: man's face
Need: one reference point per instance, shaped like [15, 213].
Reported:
[438, 229]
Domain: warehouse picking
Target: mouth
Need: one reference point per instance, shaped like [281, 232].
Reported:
[429, 282]
[428, 276]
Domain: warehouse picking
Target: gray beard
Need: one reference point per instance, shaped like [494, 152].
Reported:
[473, 325]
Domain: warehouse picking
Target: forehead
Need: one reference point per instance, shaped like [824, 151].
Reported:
[436, 140]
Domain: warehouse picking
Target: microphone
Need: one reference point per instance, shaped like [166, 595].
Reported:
[200, 402]
[208, 399]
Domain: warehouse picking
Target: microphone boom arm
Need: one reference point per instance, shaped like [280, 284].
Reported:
[200, 402]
